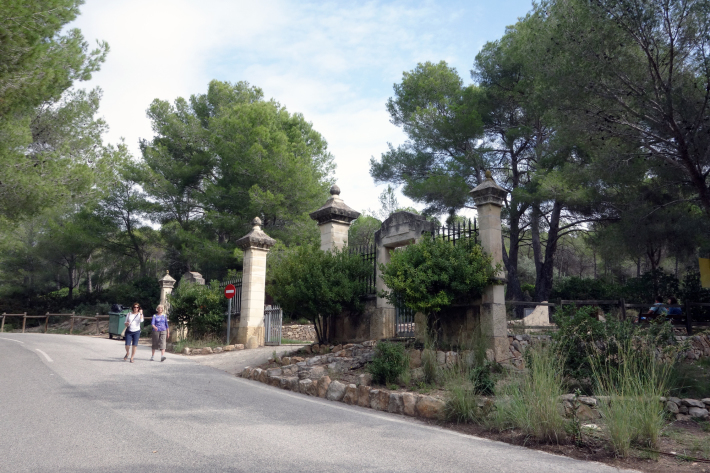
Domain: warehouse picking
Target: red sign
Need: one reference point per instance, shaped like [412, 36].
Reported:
[230, 291]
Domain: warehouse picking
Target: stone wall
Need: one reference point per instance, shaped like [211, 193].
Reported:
[304, 333]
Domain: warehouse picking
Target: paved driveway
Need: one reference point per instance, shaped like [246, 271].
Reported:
[70, 404]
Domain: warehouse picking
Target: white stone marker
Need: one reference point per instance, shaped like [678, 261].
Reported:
[334, 220]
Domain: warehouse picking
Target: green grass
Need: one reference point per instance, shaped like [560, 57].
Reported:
[633, 414]
[529, 401]
[691, 380]
[211, 342]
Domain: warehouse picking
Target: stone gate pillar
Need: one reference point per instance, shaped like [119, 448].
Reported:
[489, 198]
[334, 220]
[166, 288]
[256, 245]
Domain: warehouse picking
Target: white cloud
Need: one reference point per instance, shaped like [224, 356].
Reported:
[335, 62]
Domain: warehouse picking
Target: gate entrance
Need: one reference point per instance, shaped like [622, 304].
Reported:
[273, 319]
[404, 320]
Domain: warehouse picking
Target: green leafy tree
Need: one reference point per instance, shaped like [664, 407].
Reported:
[201, 308]
[47, 137]
[319, 285]
[221, 158]
[431, 274]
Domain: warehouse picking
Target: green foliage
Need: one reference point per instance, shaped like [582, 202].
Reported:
[579, 331]
[575, 288]
[430, 274]
[389, 363]
[219, 159]
[317, 285]
[530, 402]
[633, 382]
[201, 308]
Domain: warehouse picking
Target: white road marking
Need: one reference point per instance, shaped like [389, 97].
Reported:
[45, 355]
[11, 339]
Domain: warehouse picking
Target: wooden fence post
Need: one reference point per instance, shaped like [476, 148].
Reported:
[24, 321]
[46, 323]
[688, 318]
[97, 324]
[2, 324]
[71, 326]
[622, 304]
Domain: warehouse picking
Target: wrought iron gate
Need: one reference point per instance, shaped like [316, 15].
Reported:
[236, 304]
[273, 319]
[403, 320]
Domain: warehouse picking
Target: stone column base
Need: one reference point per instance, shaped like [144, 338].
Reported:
[382, 323]
[251, 337]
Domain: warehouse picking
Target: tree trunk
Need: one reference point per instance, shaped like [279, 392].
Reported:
[543, 283]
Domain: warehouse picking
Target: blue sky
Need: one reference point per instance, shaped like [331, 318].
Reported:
[334, 62]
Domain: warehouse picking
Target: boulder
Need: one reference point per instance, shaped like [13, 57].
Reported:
[440, 357]
[682, 417]
[429, 407]
[451, 357]
[228, 348]
[683, 409]
[218, 350]
[304, 385]
[584, 412]
[396, 404]
[323, 384]
[409, 403]
[671, 407]
[375, 399]
[693, 403]
[351, 394]
[336, 391]
[274, 381]
[316, 372]
[263, 377]
[255, 373]
[706, 401]
[238, 346]
[698, 413]
[364, 379]
[246, 372]
[590, 401]
[196, 351]
[207, 351]
[363, 395]
[384, 401]
[186, 351]
[274, 372]
[675, 400]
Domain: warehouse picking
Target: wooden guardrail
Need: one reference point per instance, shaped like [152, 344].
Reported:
[46, 317]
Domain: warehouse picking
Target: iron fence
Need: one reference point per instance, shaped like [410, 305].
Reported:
[466, 230]
[273, 320]
[369, 254]
[236, 306]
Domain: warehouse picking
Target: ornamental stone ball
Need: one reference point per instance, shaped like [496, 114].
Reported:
[335, 190]
[489, 175]
[256, 222]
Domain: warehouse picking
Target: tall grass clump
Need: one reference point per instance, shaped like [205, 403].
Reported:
[633, 383]
[530, 401]
[389, 363]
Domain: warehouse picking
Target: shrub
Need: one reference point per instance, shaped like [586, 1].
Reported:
[531, 402]
[430, 274]
[317, 285]
[201, 308]
[389, 363]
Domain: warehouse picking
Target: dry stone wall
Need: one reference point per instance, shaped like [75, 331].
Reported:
[303, 333]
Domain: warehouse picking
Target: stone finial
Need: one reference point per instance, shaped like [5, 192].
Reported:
[334, 210]
[166, 281]
[488, 192]
[256, 238]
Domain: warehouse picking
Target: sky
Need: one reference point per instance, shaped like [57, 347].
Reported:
[335, 62]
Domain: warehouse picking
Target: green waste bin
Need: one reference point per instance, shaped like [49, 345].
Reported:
[116, 321]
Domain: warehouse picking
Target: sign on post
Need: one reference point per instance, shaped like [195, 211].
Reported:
[230, 291]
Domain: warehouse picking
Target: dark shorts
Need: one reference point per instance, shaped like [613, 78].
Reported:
[132, 337]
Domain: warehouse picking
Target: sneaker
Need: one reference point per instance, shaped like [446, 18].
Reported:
[163, 359]
[151, 359]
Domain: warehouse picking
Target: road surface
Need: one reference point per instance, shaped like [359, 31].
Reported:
[70, 404]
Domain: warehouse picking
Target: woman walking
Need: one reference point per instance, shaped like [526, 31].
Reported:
[161, 332]
[133, 330]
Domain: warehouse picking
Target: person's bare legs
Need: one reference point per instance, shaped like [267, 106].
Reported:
[133, 353]
[128, 348]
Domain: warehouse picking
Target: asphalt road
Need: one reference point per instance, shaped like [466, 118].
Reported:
[70, 404]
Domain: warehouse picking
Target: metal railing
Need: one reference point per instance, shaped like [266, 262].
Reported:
[236, 304]
[466, 230]
[273, 320]
[369, 254]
